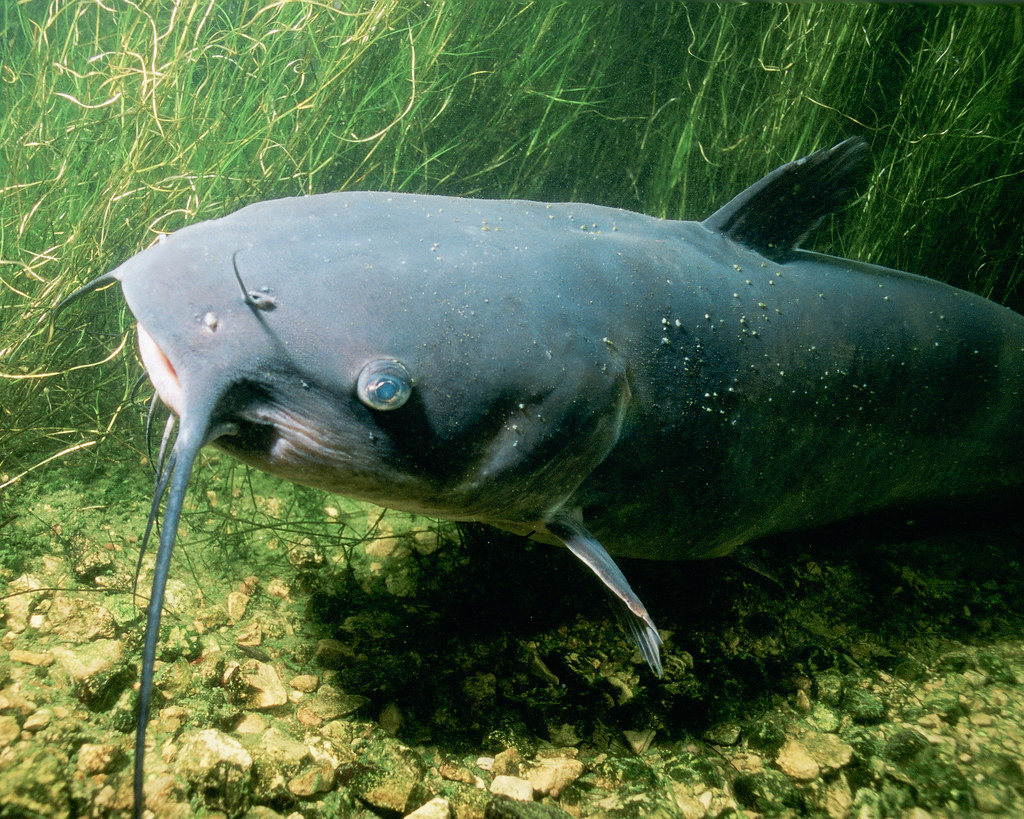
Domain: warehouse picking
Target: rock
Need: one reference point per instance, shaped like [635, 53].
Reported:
[11, 699]
[216, 764]
[331, 653]
[308, 718]
[436, 808]
[863, 706]
[92, 563]
[41, 659]
[96, 759]
[37, 720]
[829, 685]
[512, 787]
[509, 761]
[257, 685]
[480, 689]
[501, 807]
[21, 605]
[540, 670]
[262, 812]
[827, 750]
[211, 664]
[765, 735]
[726, 733]
[306, 683]
[251, 636]
[330, 703]
[387, 775]
[552, 775]
[468, 802]
[823, 719]
[98, 674]
[619, 805]
[33, 783]
[837, 798]
[388, 547]
[108, 801]
[794, 761]
[564, 735]
[640, 741]
[989, 798]
[451, 770]
[427, 541]
[172, 718]
[81, 620]
[768, 792]
[236, 605]
[905, 745]
[285, 751]
[278, 588]
[9, 730]
[689, 806]
[318, 778]
[391, 718]
[806, 757]
[277, 758]
[252, 724]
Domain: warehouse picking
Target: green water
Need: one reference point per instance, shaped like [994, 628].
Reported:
[119, 123]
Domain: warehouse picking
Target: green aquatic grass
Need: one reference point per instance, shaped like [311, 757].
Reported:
[120, 124]
[931, 89]
[121, 127]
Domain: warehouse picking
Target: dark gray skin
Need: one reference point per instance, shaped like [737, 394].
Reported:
[582, 375]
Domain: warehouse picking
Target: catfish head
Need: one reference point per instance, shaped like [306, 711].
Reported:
[382, 347]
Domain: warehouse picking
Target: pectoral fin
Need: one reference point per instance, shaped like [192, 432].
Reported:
[630, 610]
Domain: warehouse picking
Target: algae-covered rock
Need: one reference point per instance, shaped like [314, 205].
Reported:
[504, 807]
[33, 783]
[81, 620]
[863, 706]
[387, 775]
[767, 792]
[97, 670]
[217, 767]
[256, 685]
[277, 758]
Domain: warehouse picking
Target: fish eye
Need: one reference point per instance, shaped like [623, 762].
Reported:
[384, 384]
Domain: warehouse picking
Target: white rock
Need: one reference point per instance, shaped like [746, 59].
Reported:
[211, 760]
[514, 787]
[436, 808]
[552, 775]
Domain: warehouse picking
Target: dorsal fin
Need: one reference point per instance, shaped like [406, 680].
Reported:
[774, 215]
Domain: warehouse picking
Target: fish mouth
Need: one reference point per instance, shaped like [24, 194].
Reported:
[161, 372]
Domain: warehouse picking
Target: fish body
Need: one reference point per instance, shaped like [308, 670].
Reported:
[591, 377]
[677, 388]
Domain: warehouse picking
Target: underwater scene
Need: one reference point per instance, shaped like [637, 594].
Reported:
[625, 281]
